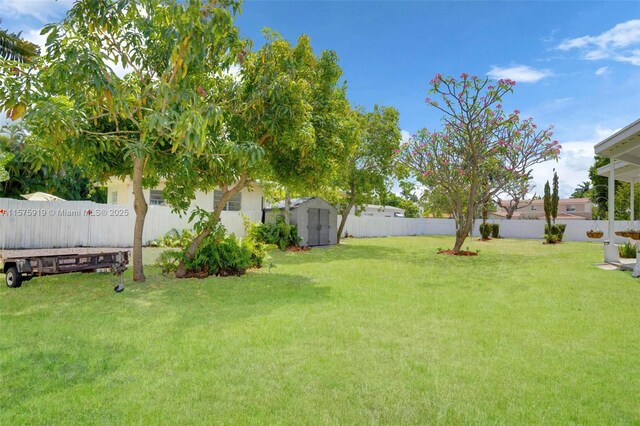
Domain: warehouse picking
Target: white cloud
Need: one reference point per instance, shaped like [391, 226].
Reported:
[405, 136]
[561, 101]
[519, 73]
[573, 166]
[603, 71]
[44, 11]
[616, 43]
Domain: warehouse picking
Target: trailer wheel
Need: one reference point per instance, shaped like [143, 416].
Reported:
[13, 278]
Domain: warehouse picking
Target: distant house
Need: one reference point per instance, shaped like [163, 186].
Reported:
[379, 211]
[315, 219]
[247, 201]
[568, 209]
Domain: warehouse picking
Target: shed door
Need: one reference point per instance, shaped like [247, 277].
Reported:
[319, 228]
[324, 227]
[313, 239]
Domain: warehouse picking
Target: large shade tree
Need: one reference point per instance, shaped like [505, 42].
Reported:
[283, 122]
[138, 125]
[369, 163]
[468, 159]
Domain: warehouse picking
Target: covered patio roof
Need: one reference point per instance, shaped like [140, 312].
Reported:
[623, 146]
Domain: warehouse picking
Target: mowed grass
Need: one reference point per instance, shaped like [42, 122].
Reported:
[376, 331]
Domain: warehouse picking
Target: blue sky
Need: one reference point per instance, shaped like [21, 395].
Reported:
[577, 64]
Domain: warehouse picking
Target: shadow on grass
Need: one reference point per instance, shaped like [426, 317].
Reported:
[342, 252]
[35, 373]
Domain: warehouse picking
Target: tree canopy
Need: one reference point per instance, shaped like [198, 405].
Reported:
[282, 114]
[138, 125]
[368, 164]
[471, 158]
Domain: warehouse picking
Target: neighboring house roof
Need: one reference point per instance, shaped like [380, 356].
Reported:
[560, 201]
[517, 215]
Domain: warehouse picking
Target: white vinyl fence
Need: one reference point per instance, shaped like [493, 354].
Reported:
[370, 226]
[51, 224]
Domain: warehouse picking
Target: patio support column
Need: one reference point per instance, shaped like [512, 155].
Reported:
[610, 250]
[632, 214]
[612, 199]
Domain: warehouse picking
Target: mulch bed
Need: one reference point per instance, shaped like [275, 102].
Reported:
[460, 253]
[294, 248]
[484, 239]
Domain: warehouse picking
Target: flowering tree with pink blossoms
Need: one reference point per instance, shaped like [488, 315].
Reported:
[480, 151]
[529, 146]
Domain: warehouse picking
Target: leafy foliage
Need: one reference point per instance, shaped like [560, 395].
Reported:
[583, 190]
[473, 157]
[5, 158]
[555, 232]
[173, 238]
[31, 168]
[627, 250]
[485, 230]
[547, 203]
[283, 119]
[555, 197]
[219, 254]
[369, 163]
[168, 261]
[279, 234]
[495, 230]
[152, 120]
[14, 48]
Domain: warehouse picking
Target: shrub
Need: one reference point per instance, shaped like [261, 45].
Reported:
[219, 254]
[551, 238]
[485, 230]
[561, 228]
[627, 250]
[495, 230]
[173, 238]
[168, 261]
[279, 234]
[556, 230]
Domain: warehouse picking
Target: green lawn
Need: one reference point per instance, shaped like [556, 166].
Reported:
[379, 331]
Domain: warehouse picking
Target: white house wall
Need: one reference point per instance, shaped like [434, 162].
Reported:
[251, 199]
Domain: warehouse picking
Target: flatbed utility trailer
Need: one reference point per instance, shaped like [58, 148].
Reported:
[22, 265]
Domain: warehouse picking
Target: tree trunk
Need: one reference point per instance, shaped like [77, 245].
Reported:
[343, 220]
[509, 214]
[465, 226]
[461, 236]
[287, 207]
[140, 206]
[212, 221]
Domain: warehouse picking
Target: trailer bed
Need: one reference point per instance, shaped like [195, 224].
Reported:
[19, 265]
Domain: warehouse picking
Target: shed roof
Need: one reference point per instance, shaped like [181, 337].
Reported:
[295, 202]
